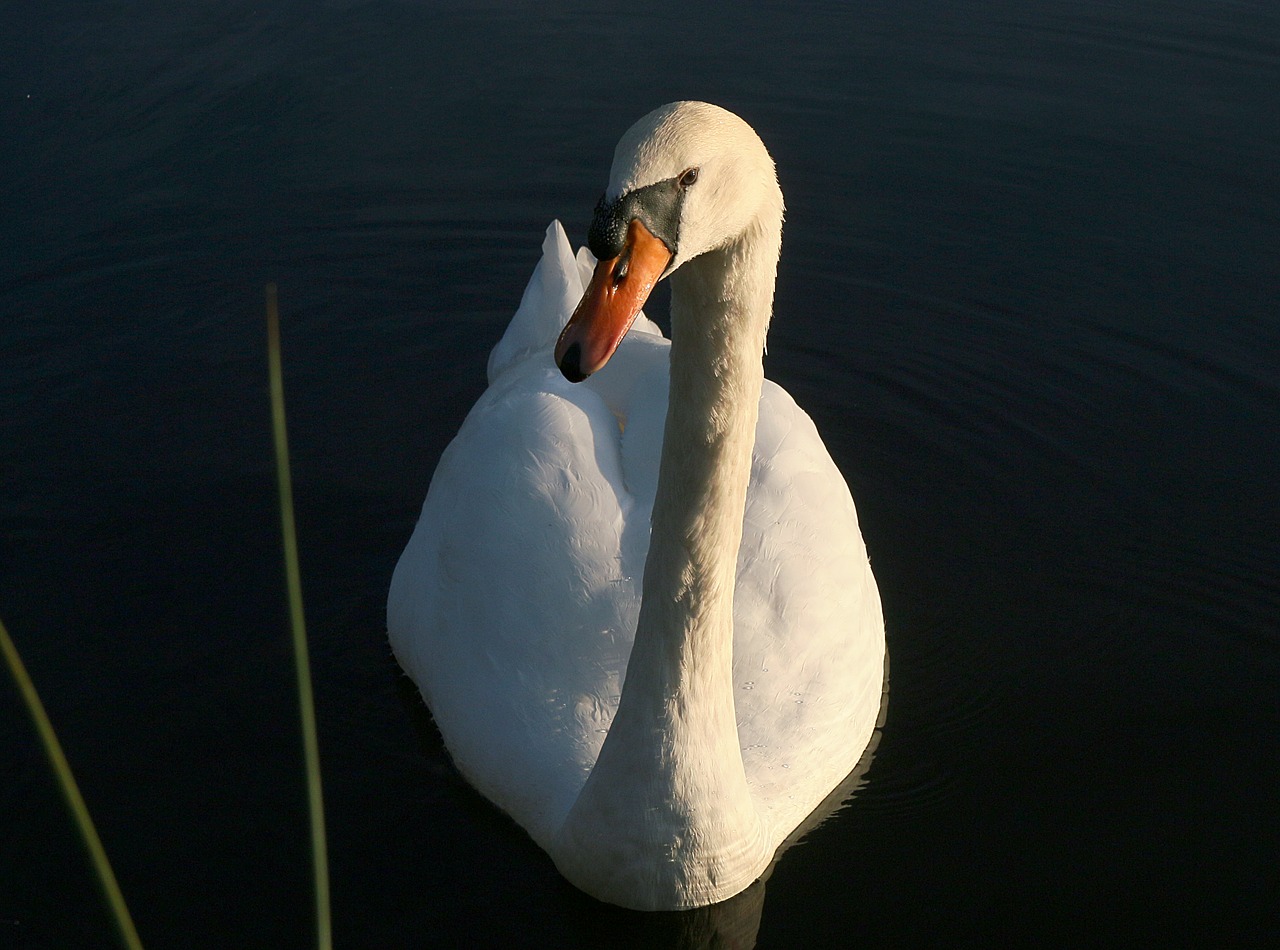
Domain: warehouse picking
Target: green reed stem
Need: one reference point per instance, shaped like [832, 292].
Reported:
[306, 700]
[110, 888]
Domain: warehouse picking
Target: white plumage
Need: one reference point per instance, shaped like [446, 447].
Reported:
[515, 605]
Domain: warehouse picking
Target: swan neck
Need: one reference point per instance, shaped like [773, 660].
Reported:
[721, 303]
[669, 777]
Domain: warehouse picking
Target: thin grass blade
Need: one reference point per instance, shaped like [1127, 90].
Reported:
[306, 701]
[67, 781]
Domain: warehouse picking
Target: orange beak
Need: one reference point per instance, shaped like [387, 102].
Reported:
[619, 287]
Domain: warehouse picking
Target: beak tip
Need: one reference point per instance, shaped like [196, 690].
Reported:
[570, 363]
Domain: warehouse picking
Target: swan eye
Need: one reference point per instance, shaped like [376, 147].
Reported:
[688, 177]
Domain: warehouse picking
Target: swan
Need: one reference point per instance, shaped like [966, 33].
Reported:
[637, 600]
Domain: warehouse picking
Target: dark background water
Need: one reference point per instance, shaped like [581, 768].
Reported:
[1028, 293]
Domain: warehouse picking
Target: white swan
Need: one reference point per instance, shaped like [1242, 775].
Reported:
[661, 746]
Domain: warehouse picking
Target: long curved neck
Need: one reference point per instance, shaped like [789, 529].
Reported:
[682, 658]
[669, 778]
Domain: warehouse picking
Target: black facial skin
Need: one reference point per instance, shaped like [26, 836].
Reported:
[657, 206]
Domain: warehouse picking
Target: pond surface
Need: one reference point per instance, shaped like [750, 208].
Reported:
[1027, 293]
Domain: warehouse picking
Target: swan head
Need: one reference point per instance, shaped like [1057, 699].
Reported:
[687, 178]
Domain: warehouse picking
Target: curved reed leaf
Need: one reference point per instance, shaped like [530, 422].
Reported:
[67, 781]
[306, 701]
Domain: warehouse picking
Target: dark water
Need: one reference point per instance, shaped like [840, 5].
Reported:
[1028, 293]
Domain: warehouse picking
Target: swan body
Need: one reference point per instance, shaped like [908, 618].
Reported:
[639, 606]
